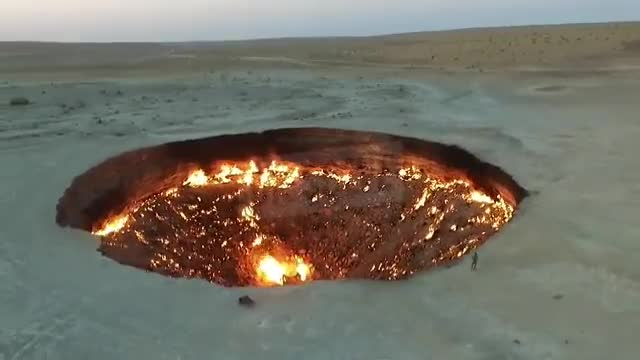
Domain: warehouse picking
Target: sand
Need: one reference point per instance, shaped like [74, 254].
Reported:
[559, 282]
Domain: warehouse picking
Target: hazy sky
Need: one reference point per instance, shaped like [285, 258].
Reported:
[176, 20]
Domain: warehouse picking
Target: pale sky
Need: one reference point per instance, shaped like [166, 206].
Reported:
[185, 20]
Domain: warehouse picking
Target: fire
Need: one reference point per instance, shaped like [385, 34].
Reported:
[303, 270]
[279, 175]
[257, 241]
[113, 225]
[276, 174]
[344, 178]
[197, 178]
[410, 173]
[171, 192]
[273, 271]
[247, 177]
[479, 197]
[226, 171]
[205, 216]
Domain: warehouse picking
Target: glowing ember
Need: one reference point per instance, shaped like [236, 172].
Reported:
[266, 221]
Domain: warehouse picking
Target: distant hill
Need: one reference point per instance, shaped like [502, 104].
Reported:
[575, 45]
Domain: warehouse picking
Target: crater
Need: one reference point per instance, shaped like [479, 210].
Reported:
[288, 206]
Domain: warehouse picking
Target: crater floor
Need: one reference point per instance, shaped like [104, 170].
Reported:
[354, 207]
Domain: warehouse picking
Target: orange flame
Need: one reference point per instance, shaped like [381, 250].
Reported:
[479, 197]
[113, 225]
[197, 178]
[272, 271]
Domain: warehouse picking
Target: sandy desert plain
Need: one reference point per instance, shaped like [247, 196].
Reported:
[557, 107]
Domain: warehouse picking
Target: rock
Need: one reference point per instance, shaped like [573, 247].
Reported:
[19, 101]
[246, 301]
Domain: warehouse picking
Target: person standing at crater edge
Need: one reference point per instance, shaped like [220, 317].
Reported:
[474, 261]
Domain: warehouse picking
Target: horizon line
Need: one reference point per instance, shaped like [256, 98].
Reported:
[321, 37]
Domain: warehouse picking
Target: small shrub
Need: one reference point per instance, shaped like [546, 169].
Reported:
[19, 101]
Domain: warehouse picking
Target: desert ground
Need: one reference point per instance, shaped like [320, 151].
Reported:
[557, 107]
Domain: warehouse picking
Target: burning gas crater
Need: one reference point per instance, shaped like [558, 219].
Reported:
[341, 204]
